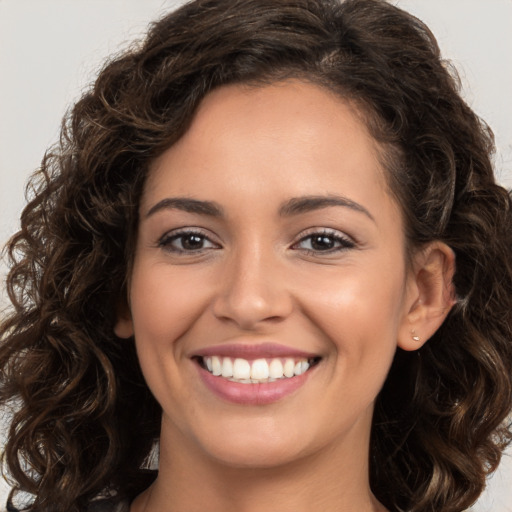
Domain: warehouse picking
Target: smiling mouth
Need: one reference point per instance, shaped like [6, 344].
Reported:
[256, 371]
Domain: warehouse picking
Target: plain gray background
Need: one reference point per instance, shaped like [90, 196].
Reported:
[50, 51]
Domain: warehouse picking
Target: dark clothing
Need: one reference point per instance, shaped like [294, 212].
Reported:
[109, 505]
[104, 505]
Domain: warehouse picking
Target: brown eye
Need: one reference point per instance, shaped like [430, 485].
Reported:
[191, 242]
[186, 241]
[324, 242]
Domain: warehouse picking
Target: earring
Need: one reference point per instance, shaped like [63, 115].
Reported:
[415, 337]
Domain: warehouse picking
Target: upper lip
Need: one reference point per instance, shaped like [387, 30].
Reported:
[253, 351]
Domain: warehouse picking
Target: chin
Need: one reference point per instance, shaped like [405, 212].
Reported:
[262, 443]
[255, 457]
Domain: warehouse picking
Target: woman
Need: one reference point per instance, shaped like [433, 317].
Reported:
[271, 244]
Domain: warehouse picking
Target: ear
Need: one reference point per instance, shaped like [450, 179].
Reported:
[430, 295]
[123, 328]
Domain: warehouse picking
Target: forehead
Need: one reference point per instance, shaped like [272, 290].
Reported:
[284, 110]
[292, 132]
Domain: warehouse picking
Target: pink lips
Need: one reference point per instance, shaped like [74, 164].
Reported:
[264, 350]
[256, 393]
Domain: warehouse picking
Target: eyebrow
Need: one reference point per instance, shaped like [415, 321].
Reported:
[298, 205]
[294, 206]
[187, 205]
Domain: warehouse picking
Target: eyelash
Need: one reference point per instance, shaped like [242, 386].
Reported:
[166, 241]
[340, 242]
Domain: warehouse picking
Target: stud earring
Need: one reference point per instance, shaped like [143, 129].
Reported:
[415, 337]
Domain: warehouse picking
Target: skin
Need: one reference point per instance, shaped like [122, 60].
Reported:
[256, 277]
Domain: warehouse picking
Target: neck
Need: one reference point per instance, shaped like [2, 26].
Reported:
[329, 480]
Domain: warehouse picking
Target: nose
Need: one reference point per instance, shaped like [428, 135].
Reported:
[252, 290]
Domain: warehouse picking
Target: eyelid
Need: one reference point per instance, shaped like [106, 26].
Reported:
[322, 230]
[347, 241]
[174, 234]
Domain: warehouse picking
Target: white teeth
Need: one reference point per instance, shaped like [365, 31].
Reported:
[216, 366]
[241, 369]
[275, 369]
[227, 367]
[257, 371]
[288, 369]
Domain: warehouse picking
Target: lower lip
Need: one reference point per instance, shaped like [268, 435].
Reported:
[252, 394]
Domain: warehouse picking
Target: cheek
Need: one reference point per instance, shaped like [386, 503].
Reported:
[165, 303]
[370, 299]
[359, 311]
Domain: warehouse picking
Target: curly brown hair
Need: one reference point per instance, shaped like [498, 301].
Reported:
[83, 418]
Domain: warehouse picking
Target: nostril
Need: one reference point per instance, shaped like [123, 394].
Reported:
[248, 303]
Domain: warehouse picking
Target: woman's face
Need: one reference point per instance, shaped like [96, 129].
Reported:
[268, 244]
